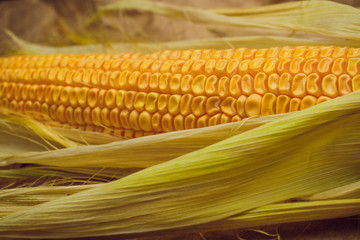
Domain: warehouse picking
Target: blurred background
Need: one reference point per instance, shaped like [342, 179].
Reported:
[66, 22]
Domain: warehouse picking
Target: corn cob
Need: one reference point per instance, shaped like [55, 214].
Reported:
[133, 94]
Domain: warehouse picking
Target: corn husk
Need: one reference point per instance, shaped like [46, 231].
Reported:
[169, 192]
[154, 149]
[28, 48]
[276, 213]
[313, 18]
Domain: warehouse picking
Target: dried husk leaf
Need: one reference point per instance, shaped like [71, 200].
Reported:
[214, 183]
[307, 16]
[210, 43]
[18, 199]
[125, 154]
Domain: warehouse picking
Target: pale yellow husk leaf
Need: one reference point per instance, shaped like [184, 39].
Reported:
[307, 16]
[13, 200]
[351, 190]
[217, 182]
[15, 125]
[125, 154]
[209, 43]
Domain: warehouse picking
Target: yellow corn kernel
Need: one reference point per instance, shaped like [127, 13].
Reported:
[253, 105]
[132, 95]
[213, 105]
[268, 104]
[282, 104]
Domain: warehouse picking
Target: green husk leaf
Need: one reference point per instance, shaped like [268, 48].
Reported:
[322, 17]
[214, 183]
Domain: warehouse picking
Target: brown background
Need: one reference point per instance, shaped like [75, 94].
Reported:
[55, 22]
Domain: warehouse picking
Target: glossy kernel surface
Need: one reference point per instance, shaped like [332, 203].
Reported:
[133, 94]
